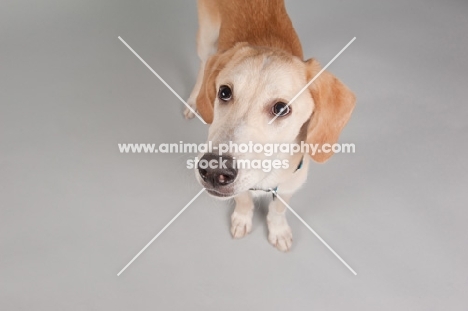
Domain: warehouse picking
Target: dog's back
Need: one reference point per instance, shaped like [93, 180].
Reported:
[258, 22]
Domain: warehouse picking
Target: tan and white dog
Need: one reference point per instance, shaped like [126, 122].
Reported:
[251, 67]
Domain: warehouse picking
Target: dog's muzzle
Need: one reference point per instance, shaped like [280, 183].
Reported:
[217, 171]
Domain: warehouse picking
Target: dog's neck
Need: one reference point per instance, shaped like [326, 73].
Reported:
[275, 189]
[267, 25]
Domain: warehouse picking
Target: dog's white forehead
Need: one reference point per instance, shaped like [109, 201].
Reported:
[258, 82]
[264, 76]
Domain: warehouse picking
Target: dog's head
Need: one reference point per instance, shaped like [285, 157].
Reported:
[243, 89]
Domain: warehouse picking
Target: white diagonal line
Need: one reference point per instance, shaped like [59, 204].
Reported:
[314, 78]
[162, 230]
[162, 80]
[312, 230]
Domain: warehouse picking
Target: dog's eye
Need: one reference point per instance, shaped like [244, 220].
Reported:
[224, 93]
[281, 109]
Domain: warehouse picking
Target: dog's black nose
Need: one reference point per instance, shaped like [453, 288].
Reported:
[217, 170]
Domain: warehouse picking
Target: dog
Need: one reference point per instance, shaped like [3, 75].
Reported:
[251, 67]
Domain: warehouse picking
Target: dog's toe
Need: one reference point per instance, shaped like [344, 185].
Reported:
[280, 236]
[241, 224]
[188, 114]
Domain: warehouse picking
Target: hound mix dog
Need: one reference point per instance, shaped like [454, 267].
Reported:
[251, 67]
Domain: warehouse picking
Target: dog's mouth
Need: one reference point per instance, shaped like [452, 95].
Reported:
[218, 194]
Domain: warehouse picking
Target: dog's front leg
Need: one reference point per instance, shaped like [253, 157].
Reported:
[279, 232]
[241, 218]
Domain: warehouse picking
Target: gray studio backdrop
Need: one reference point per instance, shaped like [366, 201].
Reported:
[74, 211]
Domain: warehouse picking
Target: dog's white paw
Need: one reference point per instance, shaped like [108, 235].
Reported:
[280, 234]
[241, 224]
[188, 113]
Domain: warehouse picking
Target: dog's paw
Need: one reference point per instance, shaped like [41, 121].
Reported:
[188, 113]
[241, 224]
[280, 235]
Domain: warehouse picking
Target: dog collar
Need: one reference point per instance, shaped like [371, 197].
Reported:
[275, 190]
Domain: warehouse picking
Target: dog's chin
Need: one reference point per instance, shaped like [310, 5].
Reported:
[220, 195]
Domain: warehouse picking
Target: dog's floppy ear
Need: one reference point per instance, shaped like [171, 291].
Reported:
[334, 103]
[207, 95]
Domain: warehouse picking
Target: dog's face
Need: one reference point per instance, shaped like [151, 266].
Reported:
[243, 90]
